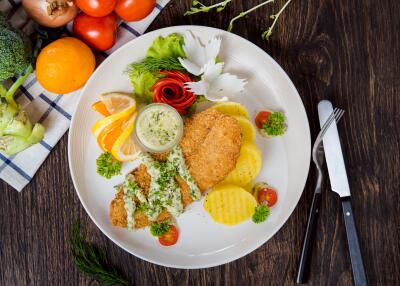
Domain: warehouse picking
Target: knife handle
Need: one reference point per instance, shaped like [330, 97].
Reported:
[309, 237]
[357, 264]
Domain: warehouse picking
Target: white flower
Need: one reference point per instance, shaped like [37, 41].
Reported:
[198, 55]
[215, 85]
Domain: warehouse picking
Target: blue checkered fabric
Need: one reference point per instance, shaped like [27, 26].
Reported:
[54, 111]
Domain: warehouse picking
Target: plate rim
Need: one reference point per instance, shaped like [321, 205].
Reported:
[285, 216]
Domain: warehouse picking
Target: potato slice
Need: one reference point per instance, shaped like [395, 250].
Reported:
[232, 108]
[247, 167]
[229, 204]
[248, 130]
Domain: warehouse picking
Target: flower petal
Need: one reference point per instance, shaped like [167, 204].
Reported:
[194, 50]
[212, 48]
[198, 88]
[226, 85]
[212, 71]
[190, 66]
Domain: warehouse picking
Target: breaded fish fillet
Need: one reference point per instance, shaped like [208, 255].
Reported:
[211, 146]
[118, 214]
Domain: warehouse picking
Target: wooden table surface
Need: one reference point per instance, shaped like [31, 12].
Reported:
[344, 51]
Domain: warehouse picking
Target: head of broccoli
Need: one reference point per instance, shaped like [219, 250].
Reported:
[15, 58]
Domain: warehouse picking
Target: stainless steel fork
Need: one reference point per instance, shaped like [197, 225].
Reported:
[318, 158]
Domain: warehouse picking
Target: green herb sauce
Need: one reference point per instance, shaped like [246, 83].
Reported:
[158, 127]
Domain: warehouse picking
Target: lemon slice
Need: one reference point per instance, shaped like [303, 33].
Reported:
[125, 147]
[116, 102]
[232, 108]
[102, 123]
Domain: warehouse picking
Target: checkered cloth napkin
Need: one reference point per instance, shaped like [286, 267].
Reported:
[53, 111]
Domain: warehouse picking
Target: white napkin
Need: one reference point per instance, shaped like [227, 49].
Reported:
[54, 111]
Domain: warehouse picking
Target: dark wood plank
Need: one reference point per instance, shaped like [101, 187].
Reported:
[346, 51]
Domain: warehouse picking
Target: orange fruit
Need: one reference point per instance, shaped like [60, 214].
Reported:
[101, 108]
[109, 135]
[64, 65]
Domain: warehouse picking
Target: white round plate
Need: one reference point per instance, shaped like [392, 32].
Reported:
[202, 242]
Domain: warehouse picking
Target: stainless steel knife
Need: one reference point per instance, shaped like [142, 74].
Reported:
[340, 185]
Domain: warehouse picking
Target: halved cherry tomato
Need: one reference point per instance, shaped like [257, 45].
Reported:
[101, 108]
[261, 118]
[96, 8]
[134, 10]
[267, 196]
[170, 238]
[99, 33]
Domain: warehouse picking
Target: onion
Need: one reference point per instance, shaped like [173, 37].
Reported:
[50, 13]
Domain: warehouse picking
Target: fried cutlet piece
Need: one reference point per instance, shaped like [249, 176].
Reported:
[142, 178]
[160, 156]
[118, 214]
[185, 191]
[211, 146]
[196, 130]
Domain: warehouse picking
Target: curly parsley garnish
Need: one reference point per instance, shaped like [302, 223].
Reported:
[107, 166]
[159, 229]
[261, 214]
[92, 260]
[275, 124]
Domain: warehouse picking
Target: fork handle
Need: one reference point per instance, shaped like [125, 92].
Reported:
[309, 237]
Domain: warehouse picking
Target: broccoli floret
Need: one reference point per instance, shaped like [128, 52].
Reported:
[15, 58]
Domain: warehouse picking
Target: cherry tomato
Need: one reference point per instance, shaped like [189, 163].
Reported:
[96, 8]
[170, 238]
[100, 33]
[267, 196]
[261, 118]
[134, 10]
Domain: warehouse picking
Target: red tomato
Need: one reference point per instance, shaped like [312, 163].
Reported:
[267, 196]
[170, 238]
[96, 8]
[261, 118]
[134, 10]
[99, 33]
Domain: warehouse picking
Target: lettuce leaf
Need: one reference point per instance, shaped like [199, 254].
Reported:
[170, 46]
[142, 83]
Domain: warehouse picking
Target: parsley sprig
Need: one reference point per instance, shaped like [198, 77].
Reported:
[159, 229]
[275, 124]
[92, 260]
[108, 166]
[261, 213]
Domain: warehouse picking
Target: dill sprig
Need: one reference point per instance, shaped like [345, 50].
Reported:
[156, 64]
[198, 7]
[92, 260]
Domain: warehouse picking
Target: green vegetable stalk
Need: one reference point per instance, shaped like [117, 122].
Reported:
[16, 56]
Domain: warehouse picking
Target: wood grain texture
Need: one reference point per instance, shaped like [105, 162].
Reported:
[344, 51]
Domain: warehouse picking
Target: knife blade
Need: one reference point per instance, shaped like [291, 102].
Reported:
[340, 185]
[333, 152]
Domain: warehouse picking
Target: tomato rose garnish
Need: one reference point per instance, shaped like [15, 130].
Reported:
[171, 90]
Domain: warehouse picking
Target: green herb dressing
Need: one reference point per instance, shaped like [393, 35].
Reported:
[164, 190]
[157, 128]
[176, 159]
